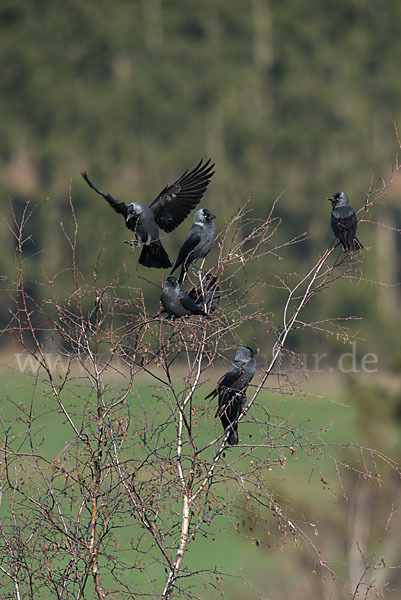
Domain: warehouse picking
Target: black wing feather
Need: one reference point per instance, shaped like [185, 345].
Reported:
[190, 243]
[119, 207]
[191, 305]
[209, 287]
[226, 381]
[176, 201]
[344, 227]
[230, 377]
[344, 224]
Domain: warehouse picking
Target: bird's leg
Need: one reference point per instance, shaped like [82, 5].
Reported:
[340, 259]
[133, 243]
[201, 287]
[201, 269]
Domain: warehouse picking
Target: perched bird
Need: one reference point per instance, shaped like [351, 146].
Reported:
[211, 293]
[344, 222]
[232, 391]
[171, 207]
[198, 241]
[177, 303]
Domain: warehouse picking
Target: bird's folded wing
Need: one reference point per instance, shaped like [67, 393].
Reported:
[209, 287]
[230, 377]
[226, 381]
[176, 201]
[196, 294]
[209, 284]
[119, 207]
[190, 304]
[228, 398]
[190, 243]
[347, 223]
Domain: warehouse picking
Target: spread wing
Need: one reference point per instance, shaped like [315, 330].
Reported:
[190, 243]
[119, 207]
[191, 305]
[176, 201]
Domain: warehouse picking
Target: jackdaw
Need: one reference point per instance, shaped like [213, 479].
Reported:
[177, 303]
[344, 222]
[232, 391]
[211, 293]
[198, 241]
[171, 207]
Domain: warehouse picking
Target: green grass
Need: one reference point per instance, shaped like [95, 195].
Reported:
[27, 403]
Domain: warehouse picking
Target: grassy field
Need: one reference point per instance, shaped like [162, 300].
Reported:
[311, 488]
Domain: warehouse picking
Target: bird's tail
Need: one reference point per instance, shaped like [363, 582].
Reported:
[155, 256]
[183, 273]
[356, 244]
[233, 437]
[229, 425]
[212, 395]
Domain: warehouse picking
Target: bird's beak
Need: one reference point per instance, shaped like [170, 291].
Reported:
[330, 199]
[212, 217]
[129, 217]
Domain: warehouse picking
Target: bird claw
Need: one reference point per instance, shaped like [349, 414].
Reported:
[133, 243]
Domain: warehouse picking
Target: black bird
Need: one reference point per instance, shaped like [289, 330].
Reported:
[344, 222]
[211, 293]
[177, 303]
[171, 207]
[232, 391]
[198, 241]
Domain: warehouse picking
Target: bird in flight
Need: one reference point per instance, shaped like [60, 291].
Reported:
[344, 222]
[167, 211]
[231, 390]
[178, 303]
[208, 294]
[197, 243]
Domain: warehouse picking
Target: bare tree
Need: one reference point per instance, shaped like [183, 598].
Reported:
[145, 470]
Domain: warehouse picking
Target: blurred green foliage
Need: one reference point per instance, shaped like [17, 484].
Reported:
[296, 97]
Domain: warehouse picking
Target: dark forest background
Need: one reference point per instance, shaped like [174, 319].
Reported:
[295, 98]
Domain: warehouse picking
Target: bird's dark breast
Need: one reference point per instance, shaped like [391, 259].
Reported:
[146, 230]
[172, 305]
[132, 223]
